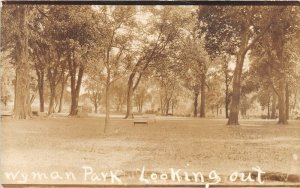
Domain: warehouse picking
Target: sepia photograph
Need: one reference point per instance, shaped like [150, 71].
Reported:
[150, 95]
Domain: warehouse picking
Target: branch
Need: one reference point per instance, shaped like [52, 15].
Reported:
[137, 82]
[43, 13]
[258, 37]
[262, 32]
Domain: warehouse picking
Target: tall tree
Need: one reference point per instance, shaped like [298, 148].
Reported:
[195, 61]
[221, 26]
[157, 34]
[14, 22]
[113, 50]
[95, 91]
[228, 75]
[119, 95]
[275, 55]
[72, 36]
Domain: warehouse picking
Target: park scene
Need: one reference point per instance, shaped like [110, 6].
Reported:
[158, 95]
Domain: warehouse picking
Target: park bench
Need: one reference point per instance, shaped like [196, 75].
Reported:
[6, 114]
[144, 119]
[140, 120]
[35, 113]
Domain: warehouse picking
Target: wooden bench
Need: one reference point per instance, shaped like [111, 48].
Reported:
[140, 120]
[6, 114]
[35, 113]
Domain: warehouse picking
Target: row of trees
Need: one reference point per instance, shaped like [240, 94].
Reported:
[201, 50]
[268, 35]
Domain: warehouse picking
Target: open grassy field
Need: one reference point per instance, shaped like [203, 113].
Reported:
[68, 144]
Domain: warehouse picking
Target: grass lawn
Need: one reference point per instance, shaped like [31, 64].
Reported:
[67, 144]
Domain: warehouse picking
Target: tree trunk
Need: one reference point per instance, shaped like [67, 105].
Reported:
[140, 107]
[281, 102]
[96, 107]
[196, 94]
[269, 115]
[74, 103]
[75, 86]
[52, 97]
[274, 99]
[130, 90]
[129, 96]
[74, 100]
[161, 106]
[287, 101]
[107, 106]
[235, 101]
[61, 98]
[53, 78]
[227, 100]
[41, 91]
[202, 105]
[173, 107]
[167, 106]
[295, 101]
[282, 94]
[22, 109]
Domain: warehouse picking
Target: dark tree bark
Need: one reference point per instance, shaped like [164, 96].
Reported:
[96, 107]
[287, 101]
[54, 75]
[227, 84]
[63, 84]
[75, 82]
[41, 77]
[274, 100]
[236, 85]
[95, 98]
[39, 65]
[172, 107]
[167, 106]
[235, 101]
[130, 90]
[227, 102]
[240, 57]
[278, 42]
[139, 103]
[203, 98]
[281, 103]
[268, 115]
[227, 96]
[75, 90]
[107, 103]
[196, 95]
[22, 109]
[129, 95]
[52, 98]
[161, 106]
